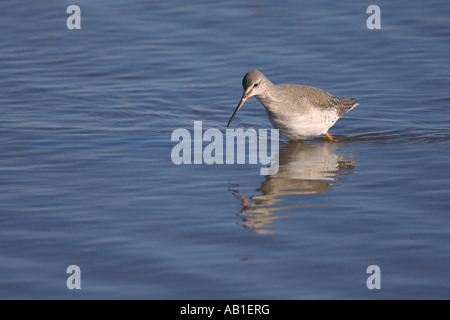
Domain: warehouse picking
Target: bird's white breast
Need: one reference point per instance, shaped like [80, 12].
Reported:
[302, 125]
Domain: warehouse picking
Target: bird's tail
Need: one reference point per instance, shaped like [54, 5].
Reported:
[346, 104]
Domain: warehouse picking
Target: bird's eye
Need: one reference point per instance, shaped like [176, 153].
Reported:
[255, 85]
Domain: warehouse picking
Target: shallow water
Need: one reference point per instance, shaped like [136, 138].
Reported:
[86, 120]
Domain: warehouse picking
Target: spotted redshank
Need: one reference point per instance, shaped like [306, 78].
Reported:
[297, 111]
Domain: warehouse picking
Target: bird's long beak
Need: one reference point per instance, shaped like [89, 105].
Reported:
[244, 98]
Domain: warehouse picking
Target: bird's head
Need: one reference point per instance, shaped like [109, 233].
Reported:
[254, 84]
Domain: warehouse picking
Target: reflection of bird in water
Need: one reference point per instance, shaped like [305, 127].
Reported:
[306, 168]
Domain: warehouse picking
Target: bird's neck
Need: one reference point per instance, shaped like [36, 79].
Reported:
[268, 97]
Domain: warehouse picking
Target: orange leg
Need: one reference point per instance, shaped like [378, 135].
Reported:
[244, 200]
[330, 137]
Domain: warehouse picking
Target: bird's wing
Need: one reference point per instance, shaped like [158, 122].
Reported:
[343, 105]
[319, 99]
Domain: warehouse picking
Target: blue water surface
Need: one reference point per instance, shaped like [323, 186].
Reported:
[87, 178]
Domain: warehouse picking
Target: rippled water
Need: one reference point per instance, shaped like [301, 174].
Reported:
[86, 175]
